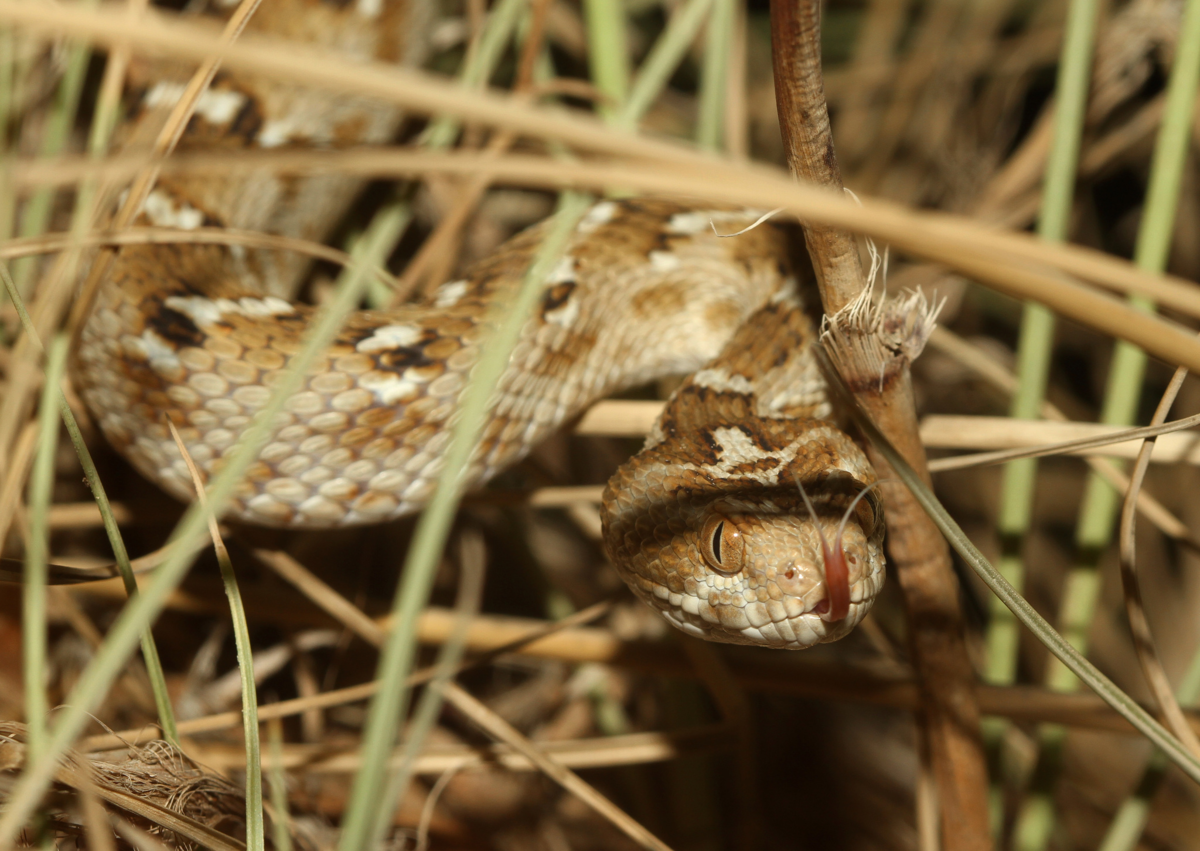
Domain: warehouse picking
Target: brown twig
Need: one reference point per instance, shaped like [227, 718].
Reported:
[883, 385]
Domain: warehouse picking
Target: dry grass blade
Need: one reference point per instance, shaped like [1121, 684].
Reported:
[158, 35]
[14, 478]
[1111, 436]
[167, 236]
[1011, 263]
[255, 826]
[577, 754]
[1139, 624]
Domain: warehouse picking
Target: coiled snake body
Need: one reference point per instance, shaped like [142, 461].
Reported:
[707, 523]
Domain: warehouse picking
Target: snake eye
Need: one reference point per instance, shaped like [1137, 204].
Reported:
[722, 544]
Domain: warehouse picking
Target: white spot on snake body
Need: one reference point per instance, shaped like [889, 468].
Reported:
[736, 449]
[294, 465]
[448, 294]
[216, 106]
[276, 132]
[163, 94]
[369, 8]
[389, 337]
[329, 421]
[159, 353]
[664, 261]
[340, 488]
[207, 311]
[220, 107]
[269, 306]
[720, 380]
[688, 223]
[223, 407]
[219, 438]
[786, 293]
[287, 490]
[600, 214]
[389, 481]
[165, 211]
[183, 395]
[389, 389]
[209, 384]
[563, 271]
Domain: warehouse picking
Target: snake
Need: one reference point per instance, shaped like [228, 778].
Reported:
[749, 515]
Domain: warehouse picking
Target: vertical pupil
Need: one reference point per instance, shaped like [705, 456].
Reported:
[716, 540]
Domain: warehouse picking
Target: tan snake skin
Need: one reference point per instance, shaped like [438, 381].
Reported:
[706, 524]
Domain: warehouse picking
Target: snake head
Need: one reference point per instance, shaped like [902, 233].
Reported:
[758, 563]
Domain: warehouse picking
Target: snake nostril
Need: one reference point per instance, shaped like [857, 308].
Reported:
[794, 579]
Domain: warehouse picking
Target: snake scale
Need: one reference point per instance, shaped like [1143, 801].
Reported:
[707, 523]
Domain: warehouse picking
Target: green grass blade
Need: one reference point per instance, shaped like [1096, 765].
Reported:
[1126, 829]
[477, 70]
[280, 833]
[36, 214]
[608, 52]
[158, 682]
[710, 118]
[255, 833]
[425, 715]
[33, 608]
[661, 62]
[1034, 348]
[383, 233]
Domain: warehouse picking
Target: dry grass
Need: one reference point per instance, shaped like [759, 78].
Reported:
[940, 116]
